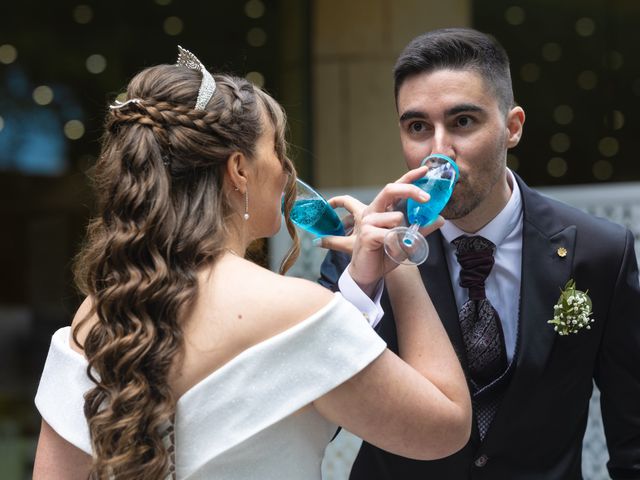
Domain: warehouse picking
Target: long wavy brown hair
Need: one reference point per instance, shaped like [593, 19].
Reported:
[162, 216]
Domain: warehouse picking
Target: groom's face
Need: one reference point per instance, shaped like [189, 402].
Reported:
[453, 112]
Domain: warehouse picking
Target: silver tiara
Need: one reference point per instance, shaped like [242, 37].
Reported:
[208, 84]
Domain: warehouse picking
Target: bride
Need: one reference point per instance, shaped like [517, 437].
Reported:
[188, 361]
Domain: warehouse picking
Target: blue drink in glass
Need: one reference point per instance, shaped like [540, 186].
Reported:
[312, 212]
[406, 245]
[426, 213]
[316, 216]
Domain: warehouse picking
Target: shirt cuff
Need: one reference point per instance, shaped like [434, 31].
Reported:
[370, 308]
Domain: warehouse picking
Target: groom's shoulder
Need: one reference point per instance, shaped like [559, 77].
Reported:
[540, 207]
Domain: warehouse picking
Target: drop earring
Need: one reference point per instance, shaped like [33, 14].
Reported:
[246, 205]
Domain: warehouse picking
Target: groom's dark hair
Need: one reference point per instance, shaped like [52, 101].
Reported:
[458, 49]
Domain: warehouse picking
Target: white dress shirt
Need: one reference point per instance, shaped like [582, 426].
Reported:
[370, 308]
[505, 231]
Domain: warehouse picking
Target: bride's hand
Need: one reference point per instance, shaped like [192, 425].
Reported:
[369, 263]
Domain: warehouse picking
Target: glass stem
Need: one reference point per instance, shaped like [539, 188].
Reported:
[410, 235]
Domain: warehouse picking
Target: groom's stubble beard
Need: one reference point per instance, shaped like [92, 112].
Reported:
[473, 188]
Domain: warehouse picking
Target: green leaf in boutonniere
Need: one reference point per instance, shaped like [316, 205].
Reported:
[573, 310]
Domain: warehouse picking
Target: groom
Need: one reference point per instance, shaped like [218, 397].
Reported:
[496, 270]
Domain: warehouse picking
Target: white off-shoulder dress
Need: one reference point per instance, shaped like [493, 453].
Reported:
[250, 419]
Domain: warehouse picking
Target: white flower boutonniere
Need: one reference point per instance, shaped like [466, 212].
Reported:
[573, 310]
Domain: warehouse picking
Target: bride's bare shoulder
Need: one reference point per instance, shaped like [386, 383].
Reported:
[295, 297]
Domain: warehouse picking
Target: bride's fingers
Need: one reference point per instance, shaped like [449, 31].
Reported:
[384, 219]
[394, 192]
[337, 243]
[351, 204]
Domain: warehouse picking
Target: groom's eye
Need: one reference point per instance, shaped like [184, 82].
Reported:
[464, 121]
[416, 127]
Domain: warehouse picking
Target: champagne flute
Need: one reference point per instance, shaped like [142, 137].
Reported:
[313, 213]
[405, 245]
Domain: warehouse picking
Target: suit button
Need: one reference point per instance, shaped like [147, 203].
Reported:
[481, 461]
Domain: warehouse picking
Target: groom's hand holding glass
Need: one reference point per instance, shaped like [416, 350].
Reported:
[371, 223]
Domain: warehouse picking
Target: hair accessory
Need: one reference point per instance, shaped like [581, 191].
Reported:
[246, 205]
[119, 104]
[208, 84]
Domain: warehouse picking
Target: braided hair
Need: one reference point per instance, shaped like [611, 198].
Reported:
[162, 216]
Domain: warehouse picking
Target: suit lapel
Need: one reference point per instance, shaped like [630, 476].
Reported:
[545, 270]
[544, 273]
[437, 280]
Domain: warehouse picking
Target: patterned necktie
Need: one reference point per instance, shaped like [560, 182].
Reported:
[480, 324]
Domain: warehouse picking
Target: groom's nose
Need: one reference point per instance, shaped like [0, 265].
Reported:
[442, 143]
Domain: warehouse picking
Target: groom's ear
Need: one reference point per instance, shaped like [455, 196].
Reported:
[236, 171]
[515, 123]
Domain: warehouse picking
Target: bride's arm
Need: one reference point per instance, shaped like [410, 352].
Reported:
[58, 459]
[417, 406]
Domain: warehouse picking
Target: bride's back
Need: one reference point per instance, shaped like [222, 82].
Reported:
[239, 305]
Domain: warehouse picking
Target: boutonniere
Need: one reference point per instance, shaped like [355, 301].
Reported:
[573, 310]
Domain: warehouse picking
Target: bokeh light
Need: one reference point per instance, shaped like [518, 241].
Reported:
[608, 146]
[563, 114]
[173, 26]
[587, 80]
[83, 14]
[256, 37]
[74, 129]
[254, 8]
[42, 95]
[615, 120]
[560, 142]
[256, 78]
[551, 52]
[602, 170]
[96, 63]
[514, 15]
[530, 72]
[8, 54]
[585, 27]
[513, 162]
[557, 167]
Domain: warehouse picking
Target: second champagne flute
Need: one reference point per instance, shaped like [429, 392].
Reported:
[406, 245]
[313, 213]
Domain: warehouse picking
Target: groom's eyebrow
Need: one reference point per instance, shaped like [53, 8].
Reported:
[463, 108]
[412, 114]
[455, 110]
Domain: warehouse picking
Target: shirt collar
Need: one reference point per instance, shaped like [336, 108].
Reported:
[501, 225]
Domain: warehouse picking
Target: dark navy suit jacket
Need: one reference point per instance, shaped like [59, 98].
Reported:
[538, 430]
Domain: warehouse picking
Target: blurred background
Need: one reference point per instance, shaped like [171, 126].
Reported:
[329, 63]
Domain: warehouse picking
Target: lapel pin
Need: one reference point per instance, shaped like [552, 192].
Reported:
[562, 252]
